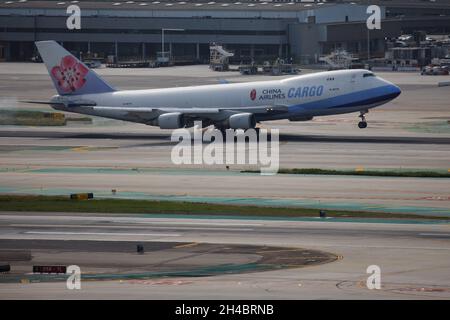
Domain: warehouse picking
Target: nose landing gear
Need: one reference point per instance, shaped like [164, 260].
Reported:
[363, 123]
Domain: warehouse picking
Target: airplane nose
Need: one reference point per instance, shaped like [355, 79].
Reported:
[395, 90]
[392, 90]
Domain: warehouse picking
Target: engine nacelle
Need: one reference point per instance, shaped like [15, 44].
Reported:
[173, 120]
[242, 121]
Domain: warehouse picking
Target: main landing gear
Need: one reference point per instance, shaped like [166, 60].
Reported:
[363, 123]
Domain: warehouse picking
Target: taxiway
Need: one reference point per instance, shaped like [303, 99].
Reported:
[414, 258]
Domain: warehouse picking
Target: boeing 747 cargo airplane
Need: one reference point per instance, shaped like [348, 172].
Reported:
[235, 106]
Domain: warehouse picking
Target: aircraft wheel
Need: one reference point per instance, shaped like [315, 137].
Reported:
[362, 124]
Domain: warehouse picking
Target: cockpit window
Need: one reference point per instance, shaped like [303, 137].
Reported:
[369, 74]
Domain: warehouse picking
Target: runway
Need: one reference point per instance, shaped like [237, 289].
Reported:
[283, 137]
[137, 164]
[414, 258]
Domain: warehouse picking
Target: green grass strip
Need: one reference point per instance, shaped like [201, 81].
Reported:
[64, 204]
[37, 118]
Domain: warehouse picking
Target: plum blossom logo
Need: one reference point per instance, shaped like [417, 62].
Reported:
[253, 94]
[70, 74]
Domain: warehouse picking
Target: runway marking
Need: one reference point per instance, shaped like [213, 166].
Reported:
[373, 246]
[282, 250]
[80, 149]
[122, 227]
[221, 224]
[445, 235]
[126, 220]
[105, 233]
[193, 244]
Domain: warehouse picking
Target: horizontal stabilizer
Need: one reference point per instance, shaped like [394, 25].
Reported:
[60, 103]
[40, 102]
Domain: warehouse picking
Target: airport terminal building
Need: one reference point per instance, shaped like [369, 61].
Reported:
[251, 29]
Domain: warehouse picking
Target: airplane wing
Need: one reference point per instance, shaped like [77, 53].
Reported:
[147, 114]
[196, 111]
[159, 110]
[214, 114]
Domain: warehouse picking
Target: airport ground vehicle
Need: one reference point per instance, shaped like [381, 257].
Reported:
[435, 71]
[93, 63]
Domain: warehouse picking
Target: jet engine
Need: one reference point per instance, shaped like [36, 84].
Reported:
[242, 121]
[173, 120]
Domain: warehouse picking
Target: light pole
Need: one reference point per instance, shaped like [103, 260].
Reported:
[368, 40]
[162, 39]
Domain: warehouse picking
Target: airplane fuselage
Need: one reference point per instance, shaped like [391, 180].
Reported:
[305, 96]
[226, 106]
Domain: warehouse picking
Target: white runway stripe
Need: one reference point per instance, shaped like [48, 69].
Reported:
[435, 234]
[144, 221]
[124, 227]
[104, 234]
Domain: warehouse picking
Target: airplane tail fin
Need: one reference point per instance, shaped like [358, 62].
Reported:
[69, 75]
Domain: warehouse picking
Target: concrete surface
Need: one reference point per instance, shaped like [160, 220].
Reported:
[414, 258]
[409, 133]
[412, 132]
